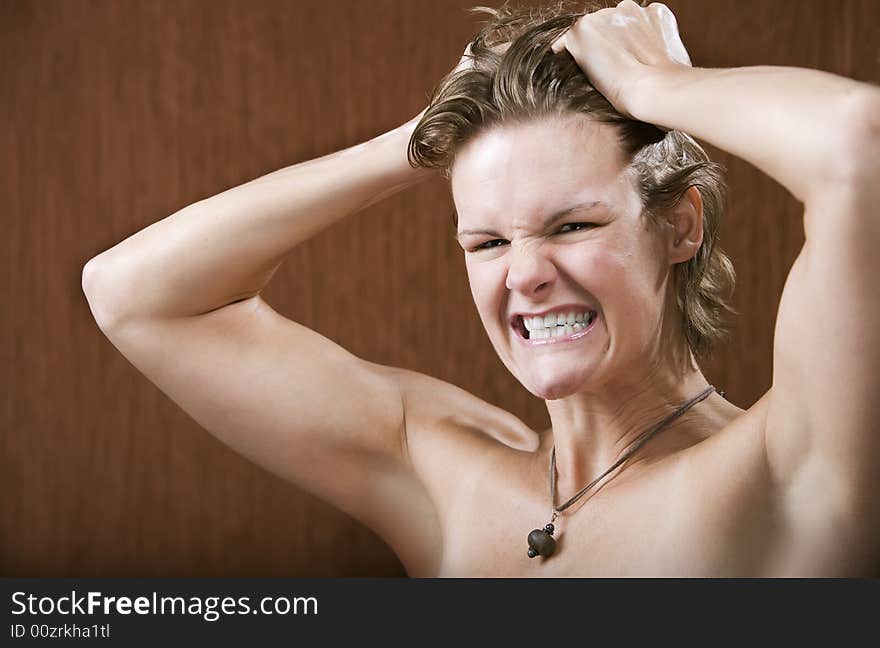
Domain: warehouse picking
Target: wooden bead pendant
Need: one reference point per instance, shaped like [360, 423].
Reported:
[541, 542]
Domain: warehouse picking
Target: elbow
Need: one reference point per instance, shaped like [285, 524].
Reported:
[89, 276]
[94, 287]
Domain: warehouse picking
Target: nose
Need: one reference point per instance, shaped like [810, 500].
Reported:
[529, 272]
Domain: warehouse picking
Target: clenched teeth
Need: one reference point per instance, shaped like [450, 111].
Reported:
[557, 324]
[556, 319]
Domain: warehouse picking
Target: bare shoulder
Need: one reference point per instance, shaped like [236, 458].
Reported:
[448, 428]
[431, 403]
[734, 448]
[450, 434]
[793, 529]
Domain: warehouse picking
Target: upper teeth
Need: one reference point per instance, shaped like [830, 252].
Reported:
[540, 322]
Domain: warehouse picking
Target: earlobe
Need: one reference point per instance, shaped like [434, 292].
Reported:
[686, 221]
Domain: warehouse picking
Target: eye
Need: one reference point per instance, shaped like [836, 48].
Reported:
[490, 244]
[578, 226]
[575, 227]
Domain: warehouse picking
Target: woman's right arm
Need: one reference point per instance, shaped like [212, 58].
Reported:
[180, 300]
[226, 248]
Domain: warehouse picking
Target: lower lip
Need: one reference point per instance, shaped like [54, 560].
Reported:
[557, 340]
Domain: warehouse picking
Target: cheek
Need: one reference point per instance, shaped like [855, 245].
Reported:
[485, 283]
[600, 270]
[622, 280]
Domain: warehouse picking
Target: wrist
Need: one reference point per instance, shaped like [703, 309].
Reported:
[391, 147]
[654, 87]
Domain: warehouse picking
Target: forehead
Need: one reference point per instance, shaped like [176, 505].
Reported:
[519, 172]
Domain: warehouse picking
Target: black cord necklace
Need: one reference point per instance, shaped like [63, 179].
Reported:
[541, 542]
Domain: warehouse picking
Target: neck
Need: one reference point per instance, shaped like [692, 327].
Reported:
[593, 428]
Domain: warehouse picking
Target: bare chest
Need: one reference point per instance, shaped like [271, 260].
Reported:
[669, 523]
[710, 510]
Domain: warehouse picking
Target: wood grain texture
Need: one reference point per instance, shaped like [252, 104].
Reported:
[116, 114]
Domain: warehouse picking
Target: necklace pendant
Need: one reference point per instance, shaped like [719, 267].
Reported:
[541, 542]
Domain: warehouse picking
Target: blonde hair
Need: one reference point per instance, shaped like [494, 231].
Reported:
[515, 77]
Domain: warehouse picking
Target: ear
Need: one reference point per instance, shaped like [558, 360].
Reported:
[685, 231]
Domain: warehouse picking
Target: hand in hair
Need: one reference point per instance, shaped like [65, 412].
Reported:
[618, 46]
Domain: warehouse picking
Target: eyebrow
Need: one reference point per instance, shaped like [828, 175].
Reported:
[547, 223]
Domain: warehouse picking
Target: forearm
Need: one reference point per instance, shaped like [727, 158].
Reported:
[227, 247]
[794, 124]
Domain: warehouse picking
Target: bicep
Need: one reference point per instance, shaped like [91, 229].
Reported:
[823, 415]
[282, 395]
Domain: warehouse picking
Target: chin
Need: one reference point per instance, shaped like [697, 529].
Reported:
[554, 388]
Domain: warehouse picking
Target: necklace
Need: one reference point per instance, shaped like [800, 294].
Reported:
[541, 542]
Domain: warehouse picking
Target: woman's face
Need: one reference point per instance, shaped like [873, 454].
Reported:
[527, 255]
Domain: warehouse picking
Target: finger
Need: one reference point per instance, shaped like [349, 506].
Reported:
[559, 44]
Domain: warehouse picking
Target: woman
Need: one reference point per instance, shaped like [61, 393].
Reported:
[587, 224]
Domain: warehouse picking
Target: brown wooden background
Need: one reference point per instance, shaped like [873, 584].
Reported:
[115, 114]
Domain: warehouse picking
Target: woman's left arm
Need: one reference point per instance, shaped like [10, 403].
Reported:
[808, 130]
[819, 136]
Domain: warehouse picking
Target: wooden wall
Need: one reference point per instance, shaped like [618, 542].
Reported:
[115, 114]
